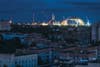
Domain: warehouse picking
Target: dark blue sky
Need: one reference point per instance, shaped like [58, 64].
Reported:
[23, 10]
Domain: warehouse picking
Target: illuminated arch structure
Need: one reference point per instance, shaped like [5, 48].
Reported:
[73, 21]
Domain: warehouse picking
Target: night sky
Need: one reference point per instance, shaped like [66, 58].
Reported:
[23, 10]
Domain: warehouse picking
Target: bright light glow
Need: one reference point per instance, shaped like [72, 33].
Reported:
[64, 23]
[88, 24]
[78, 21]
[44, 24]
[10, 21]
[75, 22]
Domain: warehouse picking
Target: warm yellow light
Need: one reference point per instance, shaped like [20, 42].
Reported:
[64, 23]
